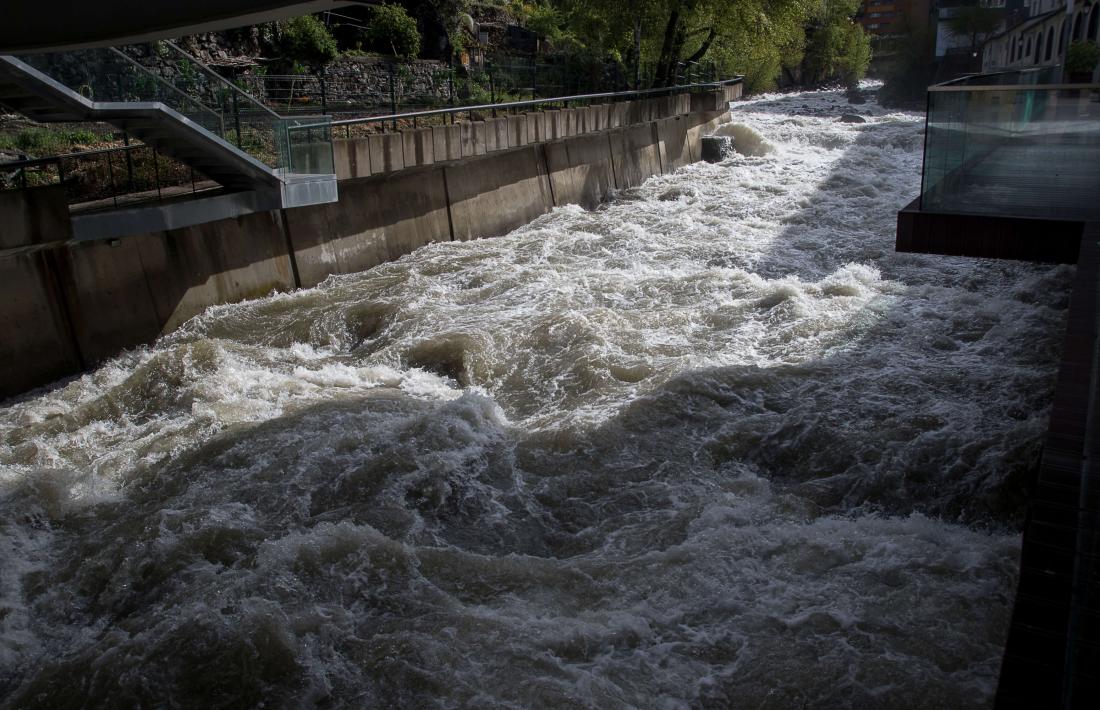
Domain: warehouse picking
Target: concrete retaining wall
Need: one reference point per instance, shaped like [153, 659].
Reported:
[377, 219]
[129, 291]
[37, 347]
[34, 216]
[74, 304]
[493, 195]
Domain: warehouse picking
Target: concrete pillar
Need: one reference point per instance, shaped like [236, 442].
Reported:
[418, 147]
[534, 132]
[499, 128]
[517, 130]
[387, 152]
[473, 138]
[446, 142]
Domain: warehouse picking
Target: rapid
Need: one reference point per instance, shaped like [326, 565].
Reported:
[714, 444]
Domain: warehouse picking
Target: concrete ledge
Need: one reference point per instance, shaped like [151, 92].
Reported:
[518, 127]
[673, 141]
[962, 234]
[496, 194]
[472, 138]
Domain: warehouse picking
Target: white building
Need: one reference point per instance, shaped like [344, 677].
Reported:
[1041, 39]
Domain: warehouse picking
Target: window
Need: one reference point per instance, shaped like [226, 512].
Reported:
[1094, 17]
[1062, 38]
[1027, 50]
[1050, 43]
[1038, 45]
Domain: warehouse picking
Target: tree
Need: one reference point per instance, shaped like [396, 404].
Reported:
[306, 39]
[974, 23]
[392, 27]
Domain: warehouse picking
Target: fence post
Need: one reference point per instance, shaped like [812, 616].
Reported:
[393, 93]
[451, 79]
[324, 93]
[237, 119]
[129, 161]
[156, 173]
[492, 90]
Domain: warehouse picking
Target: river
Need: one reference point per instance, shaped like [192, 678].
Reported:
[713, 444]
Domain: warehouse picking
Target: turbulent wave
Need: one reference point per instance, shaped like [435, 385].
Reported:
[714, 444]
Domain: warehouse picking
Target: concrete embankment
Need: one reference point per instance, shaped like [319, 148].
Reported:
[65, 305]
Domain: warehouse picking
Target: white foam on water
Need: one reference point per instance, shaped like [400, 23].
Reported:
[712, 443]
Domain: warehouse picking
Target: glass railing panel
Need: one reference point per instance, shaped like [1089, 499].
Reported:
[1019, 151]
[305, 145]
[162, 72]
[107, 75]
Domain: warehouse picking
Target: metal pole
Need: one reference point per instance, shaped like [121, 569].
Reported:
[393, 94]
[237, 118]
[492, 90]
[156, 173]
[111, 175]
[129, 162]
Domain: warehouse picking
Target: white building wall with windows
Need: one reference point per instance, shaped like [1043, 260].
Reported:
[1041, 40]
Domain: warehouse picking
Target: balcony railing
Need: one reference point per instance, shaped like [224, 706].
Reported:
[1010, 144]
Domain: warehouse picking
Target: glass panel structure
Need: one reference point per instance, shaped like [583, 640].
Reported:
[305, 145]
[1026, 149]
[162, 72]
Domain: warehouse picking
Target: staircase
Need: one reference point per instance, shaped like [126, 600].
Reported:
[181, 108]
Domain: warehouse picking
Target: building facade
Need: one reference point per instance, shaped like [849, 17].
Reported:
[1041, 38]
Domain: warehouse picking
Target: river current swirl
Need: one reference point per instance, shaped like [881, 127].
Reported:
[714, 444]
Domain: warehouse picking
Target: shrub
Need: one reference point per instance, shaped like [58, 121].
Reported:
[306, 39]
[1081, 57]
[392, 28]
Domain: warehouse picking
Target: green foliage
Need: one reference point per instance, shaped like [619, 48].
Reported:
[306, 40]
[836, 48]
[1082, 57]
[545, 21]
[45, 141]
[392, 28]
[757, 38]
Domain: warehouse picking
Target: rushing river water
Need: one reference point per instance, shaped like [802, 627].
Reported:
[714, 444]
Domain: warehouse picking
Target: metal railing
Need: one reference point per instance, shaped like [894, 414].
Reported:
[1012, 144]
[450, 114]
[106, 177]
[162, 72]
[390, 86]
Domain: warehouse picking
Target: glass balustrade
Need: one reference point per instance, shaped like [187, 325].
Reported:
[162, 72]
[1028, 150]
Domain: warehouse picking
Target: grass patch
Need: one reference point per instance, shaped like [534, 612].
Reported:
[47, 140]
